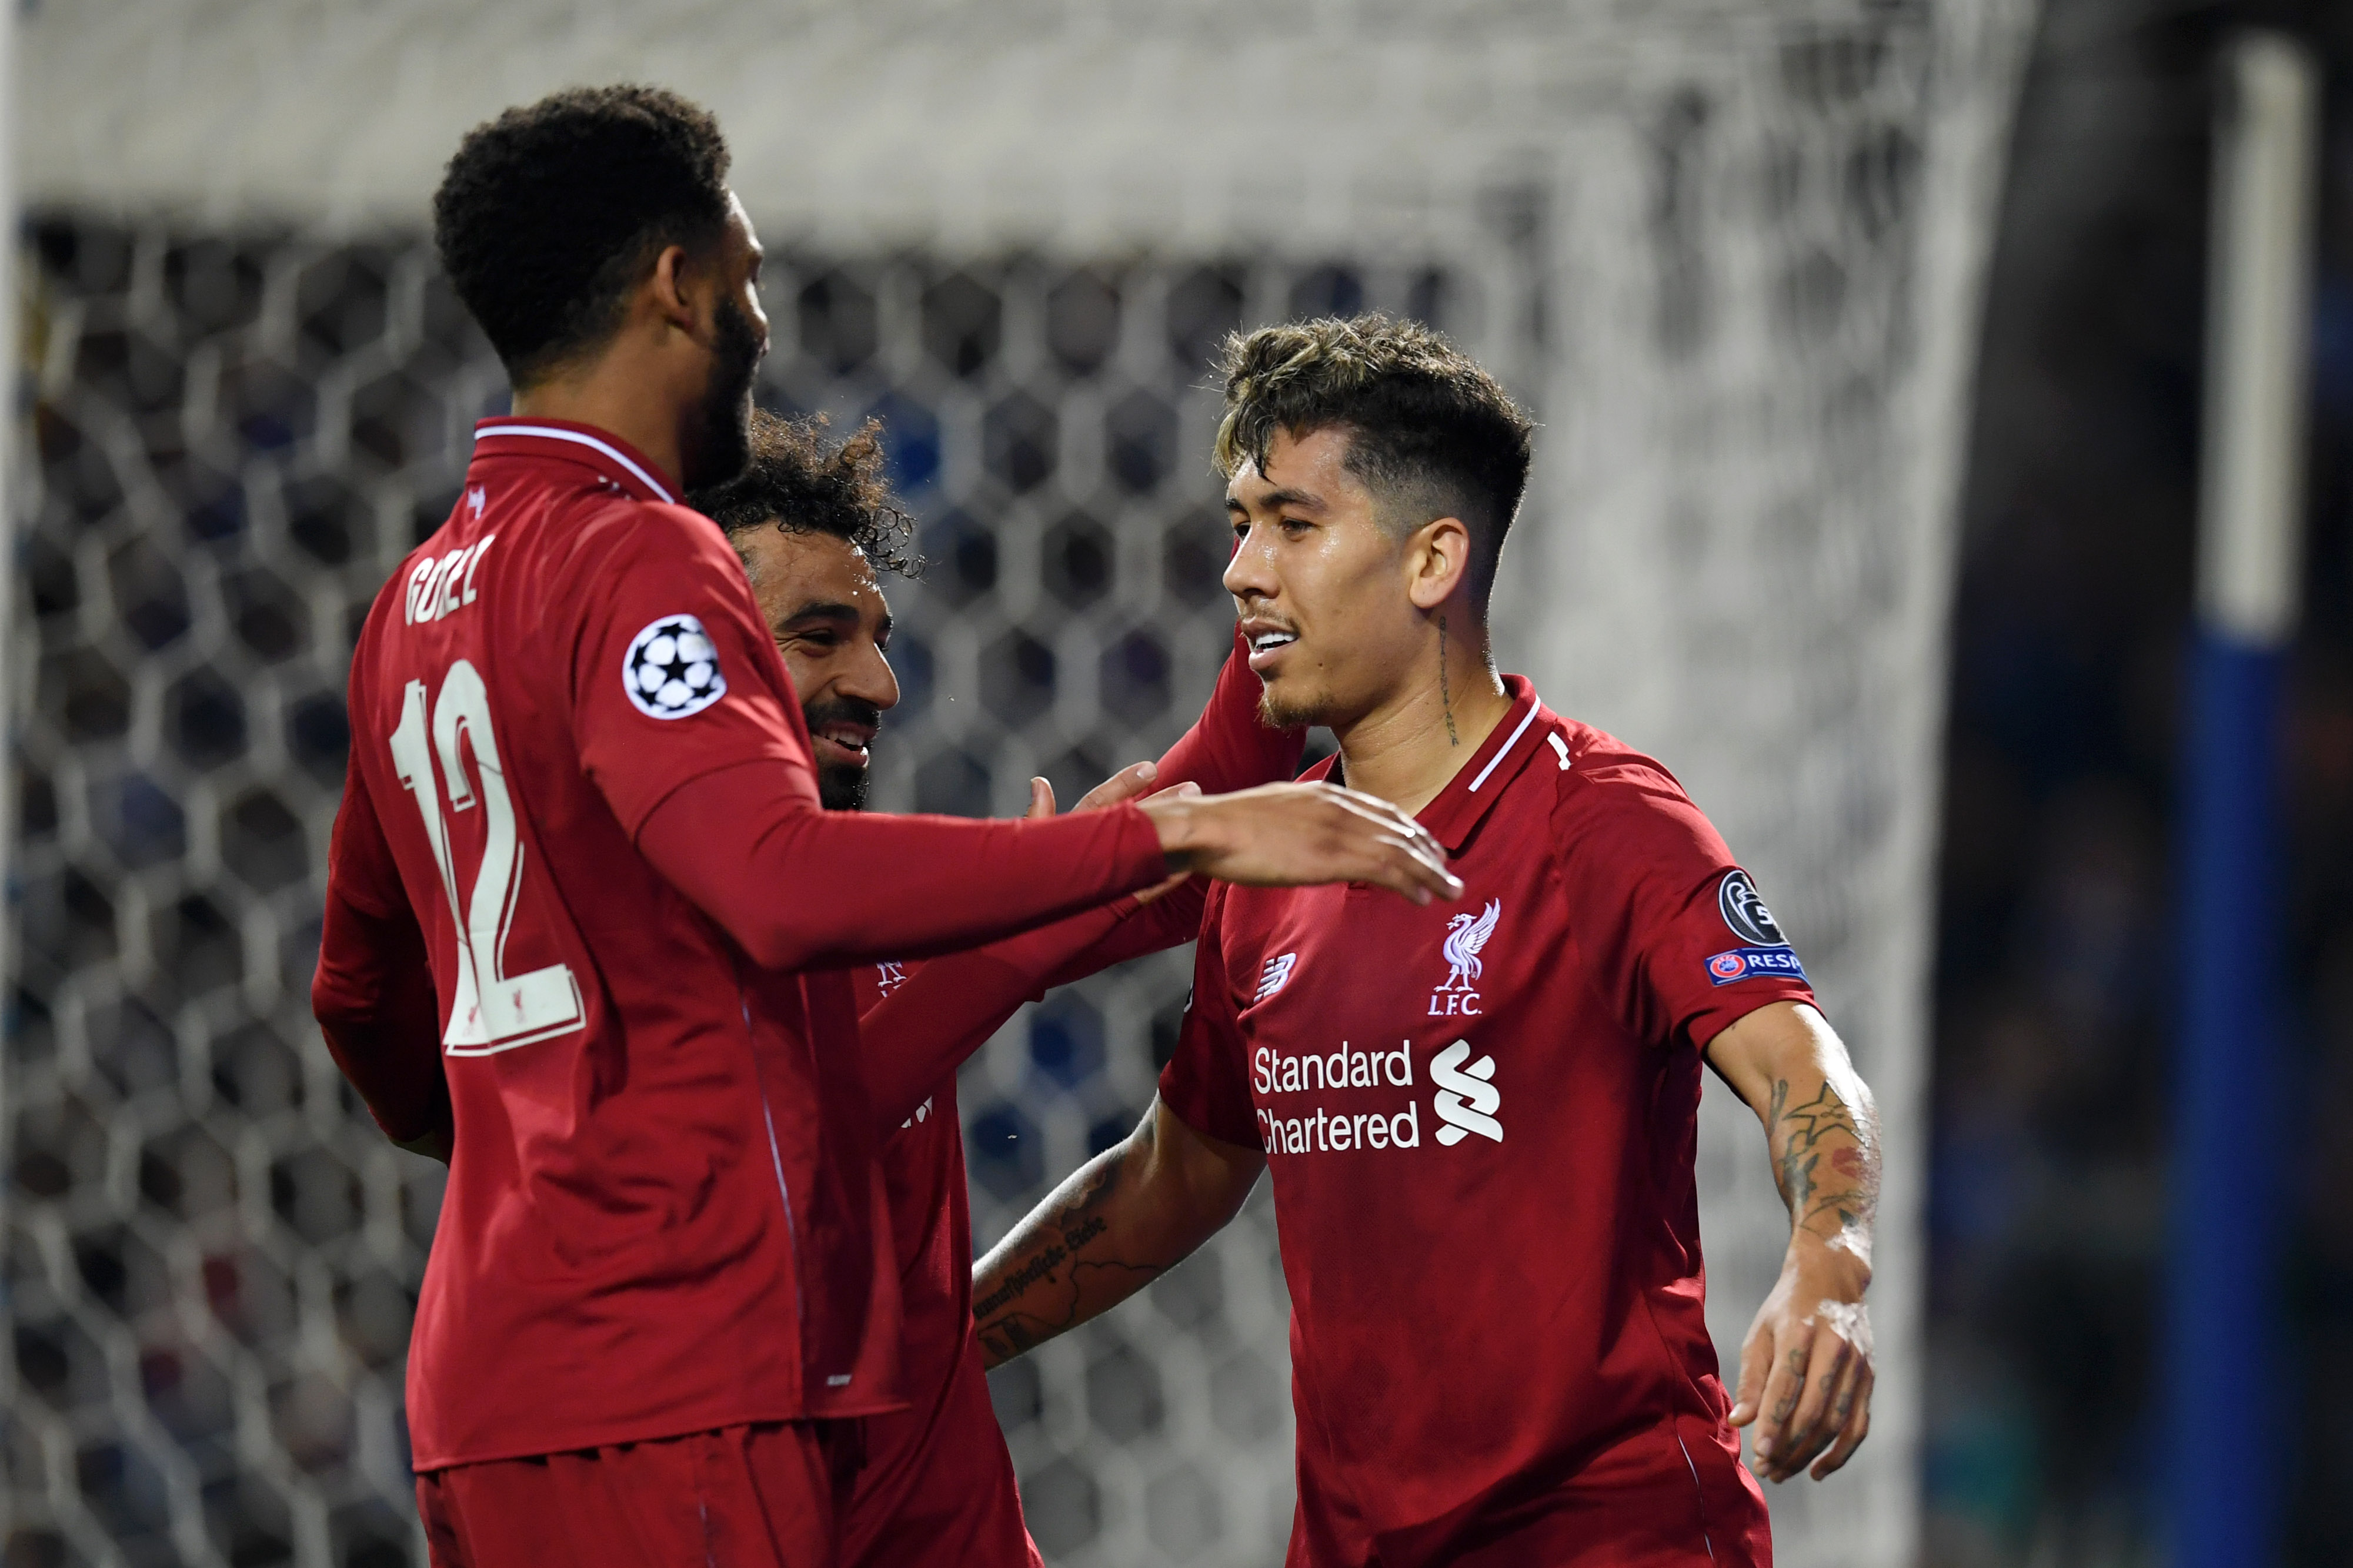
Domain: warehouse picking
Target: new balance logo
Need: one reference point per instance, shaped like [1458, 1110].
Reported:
[1467, 1101]
[1275, 975]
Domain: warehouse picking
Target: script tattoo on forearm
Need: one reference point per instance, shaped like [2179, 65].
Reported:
[1823, 1161]
[1038, 1288]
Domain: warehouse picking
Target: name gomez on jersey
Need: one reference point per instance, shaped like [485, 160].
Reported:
[1479, 1120]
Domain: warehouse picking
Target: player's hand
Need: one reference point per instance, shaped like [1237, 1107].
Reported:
[1291, 834]
[1806, 1371]
[1129, 784]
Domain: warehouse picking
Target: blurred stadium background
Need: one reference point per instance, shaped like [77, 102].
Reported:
[1843, 318]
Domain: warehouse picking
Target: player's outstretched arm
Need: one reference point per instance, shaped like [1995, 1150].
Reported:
[717, 794]
[917, 1036]
[864, 888]
[1806, 1371]
[1129, 1214]
[1291, 835]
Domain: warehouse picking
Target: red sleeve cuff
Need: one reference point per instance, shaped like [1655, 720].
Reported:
[1739, 999]
[1141, 861]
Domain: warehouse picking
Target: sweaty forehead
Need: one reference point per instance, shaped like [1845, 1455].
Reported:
[789, 570]
[1309, 471]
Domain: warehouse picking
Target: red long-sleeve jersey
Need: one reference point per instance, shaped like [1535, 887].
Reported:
[938, 1487]
[582, 810]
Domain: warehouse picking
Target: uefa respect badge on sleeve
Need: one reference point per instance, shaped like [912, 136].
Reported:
[1755, 964]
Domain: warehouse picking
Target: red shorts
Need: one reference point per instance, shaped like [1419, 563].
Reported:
[763, 1495]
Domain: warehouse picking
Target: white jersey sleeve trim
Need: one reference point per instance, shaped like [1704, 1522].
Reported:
[550, 433]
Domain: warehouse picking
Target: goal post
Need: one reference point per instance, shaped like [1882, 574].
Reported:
[1729, 253]
[2229, 1161]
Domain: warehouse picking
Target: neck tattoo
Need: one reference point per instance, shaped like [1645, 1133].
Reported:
[1445, 692]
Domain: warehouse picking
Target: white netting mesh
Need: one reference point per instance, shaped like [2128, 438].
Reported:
[1728, 255]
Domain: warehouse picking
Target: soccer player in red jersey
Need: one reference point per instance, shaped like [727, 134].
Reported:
[812, 523]
[581, 846]
[1481, 1119]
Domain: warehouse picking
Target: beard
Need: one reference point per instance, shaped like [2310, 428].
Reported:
[719, 442]
[1294, 712]
[841, 787]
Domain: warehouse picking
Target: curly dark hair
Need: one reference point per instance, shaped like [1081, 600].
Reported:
[802, 483]
[1430, 433]
[550, 214]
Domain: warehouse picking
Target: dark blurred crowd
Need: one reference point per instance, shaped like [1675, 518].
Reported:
[2059, 958]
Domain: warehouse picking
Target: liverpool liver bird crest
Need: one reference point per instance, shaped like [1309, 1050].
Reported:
[1465, 935]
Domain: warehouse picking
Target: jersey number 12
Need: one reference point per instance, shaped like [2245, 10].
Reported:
[493, 1011]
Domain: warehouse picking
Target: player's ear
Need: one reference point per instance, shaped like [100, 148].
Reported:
[1437, 558]
[674, 288]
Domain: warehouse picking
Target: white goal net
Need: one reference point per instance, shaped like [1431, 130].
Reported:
[1728, 253]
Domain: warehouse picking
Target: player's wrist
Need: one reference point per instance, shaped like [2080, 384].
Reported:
[1833, 1266]
[1177, 819]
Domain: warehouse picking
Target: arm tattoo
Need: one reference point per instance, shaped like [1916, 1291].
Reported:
[1806, 1138]
[1038, 1291]
[1789, 1405]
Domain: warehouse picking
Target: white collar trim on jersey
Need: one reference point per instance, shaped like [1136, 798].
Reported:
[1505, 750]
[551, 433]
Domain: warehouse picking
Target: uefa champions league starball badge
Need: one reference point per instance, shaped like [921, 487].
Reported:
[671, 671]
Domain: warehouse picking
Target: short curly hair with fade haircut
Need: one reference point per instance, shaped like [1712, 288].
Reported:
[1430, 434]
[800, 482]
[549, 215]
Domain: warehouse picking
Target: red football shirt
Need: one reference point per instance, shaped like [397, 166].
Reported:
[938, 1489]
[1481, 1119]
[663, 1211]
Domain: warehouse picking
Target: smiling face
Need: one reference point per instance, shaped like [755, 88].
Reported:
[818, 596]
[1324, 591]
